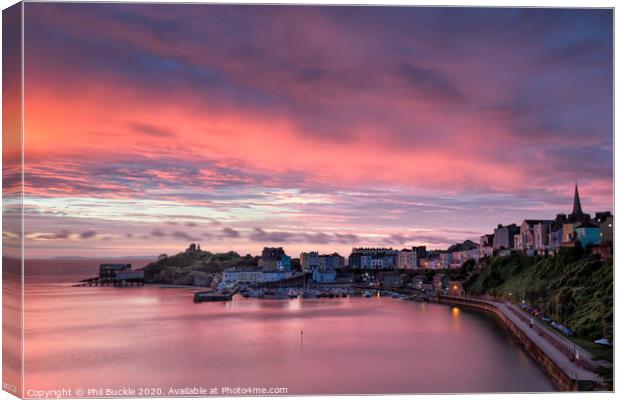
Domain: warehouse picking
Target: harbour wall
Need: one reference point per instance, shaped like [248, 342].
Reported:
[561, 378]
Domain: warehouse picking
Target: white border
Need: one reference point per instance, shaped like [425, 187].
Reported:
[479, 3]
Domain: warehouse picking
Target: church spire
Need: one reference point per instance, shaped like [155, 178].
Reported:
[576, 203]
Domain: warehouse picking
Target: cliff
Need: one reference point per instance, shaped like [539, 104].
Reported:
[574, 288]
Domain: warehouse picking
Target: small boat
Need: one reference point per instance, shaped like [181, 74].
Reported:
[208, 296]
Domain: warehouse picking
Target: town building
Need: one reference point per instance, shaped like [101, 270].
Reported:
[428, 289]
[526, 240]
[129, 275]
[503, 236]
[486, 251]
[406, 259]
[440, 283]
[253, 275]
[486, 245]
[487, 240]
[331, 261]
[541, 236]
[555, 237]
[504, 252]
[274, 259]
[519, 242]
[588, 234]
[417, 281]
[366, 261]
[573, 220]
[446, 259]
[569, 236]
[309, 260]
[462, 252]
[605, 221]
[327, 268]
[419, 252]
[389, 279]
[373, 258]
[110, 270]
[432, 261]
[383, 261]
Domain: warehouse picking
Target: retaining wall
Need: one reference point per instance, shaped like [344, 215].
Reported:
[560, 377]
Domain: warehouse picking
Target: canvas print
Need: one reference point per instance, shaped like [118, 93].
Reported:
[284, 200]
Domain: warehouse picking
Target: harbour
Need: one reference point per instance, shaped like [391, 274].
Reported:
[256, 342]
[567, 370]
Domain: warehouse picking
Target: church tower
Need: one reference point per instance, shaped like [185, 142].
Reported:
[576, 203]
[577, 215]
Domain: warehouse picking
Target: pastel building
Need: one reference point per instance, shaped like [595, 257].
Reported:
[588, 234]
[326, 270]
[541, 236]
[274, 259]
[569, 236]
[373, 258]
[503, 236]
[406, 259]
[309, 260]
[446, 259]
[487, 240]
[462, 252]
[555, 237]
[486, 251]
[486, 246]
[366, 261]
[459, 257]
[419, 252]
[432, 262]
[605, 221]
[330, 261]
[531, 231]
[519, 242]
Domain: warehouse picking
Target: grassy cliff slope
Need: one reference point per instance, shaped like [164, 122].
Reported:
[192, 266]
[573, 288]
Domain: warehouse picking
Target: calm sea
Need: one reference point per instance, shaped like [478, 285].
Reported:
[157, 338]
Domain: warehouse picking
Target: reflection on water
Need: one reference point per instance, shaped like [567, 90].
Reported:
[148, 336]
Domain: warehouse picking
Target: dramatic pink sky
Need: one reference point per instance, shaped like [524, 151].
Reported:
[151, 126]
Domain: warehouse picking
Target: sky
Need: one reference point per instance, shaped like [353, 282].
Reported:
[148, 127]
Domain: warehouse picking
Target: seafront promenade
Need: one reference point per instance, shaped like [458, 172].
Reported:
[553, 353]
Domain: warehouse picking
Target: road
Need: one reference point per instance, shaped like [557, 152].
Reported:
[559, 357]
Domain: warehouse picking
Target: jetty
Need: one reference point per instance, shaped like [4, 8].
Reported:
[216, 295]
